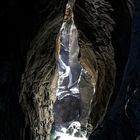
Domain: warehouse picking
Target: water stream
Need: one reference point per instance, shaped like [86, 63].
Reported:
[67, 106]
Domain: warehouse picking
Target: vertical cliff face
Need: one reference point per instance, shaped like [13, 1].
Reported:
[36, 97]
[95, 26]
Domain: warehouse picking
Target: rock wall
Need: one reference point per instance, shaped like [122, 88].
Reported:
[95, 25]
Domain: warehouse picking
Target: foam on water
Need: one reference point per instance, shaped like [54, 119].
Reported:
[67, 105]
[64, 136]
[73, 132]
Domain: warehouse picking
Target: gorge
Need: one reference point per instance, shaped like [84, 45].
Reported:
[68, 64]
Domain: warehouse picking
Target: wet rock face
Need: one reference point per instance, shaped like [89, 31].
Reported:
[96, 55]
[95, 27]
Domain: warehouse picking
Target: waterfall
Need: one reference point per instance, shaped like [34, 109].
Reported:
[68, 65]
[67, 105]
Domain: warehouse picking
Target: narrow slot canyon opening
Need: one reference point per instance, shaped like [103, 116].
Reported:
[70, 72]
[73, 105]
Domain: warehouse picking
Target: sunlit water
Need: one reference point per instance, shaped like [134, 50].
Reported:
[67, 108]
[73, 132]
[68, 65]
[64, 136]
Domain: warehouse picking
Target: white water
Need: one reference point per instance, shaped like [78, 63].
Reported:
[73, 132]
[68, 65]
[70, 72]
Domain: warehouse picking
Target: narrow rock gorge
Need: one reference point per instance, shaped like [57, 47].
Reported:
[66, 70]
[96, 69]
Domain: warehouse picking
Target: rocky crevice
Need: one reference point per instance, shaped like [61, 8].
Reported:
[96, 55]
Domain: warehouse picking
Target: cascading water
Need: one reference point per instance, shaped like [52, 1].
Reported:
[67, 107]
[68, 65]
